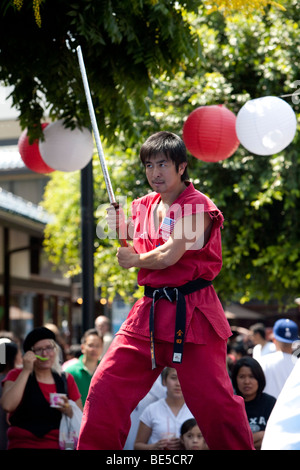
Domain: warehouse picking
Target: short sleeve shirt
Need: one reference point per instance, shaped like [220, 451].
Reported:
[159, 417]
[205, 263]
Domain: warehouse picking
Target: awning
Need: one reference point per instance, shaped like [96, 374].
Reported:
[236, 311]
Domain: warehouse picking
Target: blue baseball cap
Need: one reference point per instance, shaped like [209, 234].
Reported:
[285, 330]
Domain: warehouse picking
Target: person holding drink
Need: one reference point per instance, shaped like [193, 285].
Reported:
[34, 421]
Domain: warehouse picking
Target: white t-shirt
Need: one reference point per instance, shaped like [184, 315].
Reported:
[277, 367]
[157, 391]
[159, 417]
[259, 350]
[283, 427]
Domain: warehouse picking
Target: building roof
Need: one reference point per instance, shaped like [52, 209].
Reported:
[13, 204]
[10, 158]
[10, 162]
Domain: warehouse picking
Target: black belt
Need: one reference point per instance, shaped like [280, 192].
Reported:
[173, 294]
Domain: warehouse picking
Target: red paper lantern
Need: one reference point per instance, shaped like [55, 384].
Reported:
[209, 133]
[30, 154]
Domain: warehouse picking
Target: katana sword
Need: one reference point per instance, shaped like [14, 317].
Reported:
[108, 184]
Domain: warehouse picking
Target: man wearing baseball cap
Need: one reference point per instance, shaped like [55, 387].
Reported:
[278, 366]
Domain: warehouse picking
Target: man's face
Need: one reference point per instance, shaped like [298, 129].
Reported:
[162, 175]
[102, 325]
[92, 347]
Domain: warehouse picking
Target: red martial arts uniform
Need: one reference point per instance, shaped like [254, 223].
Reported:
[124, 375]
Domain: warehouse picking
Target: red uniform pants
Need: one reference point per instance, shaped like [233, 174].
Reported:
[124, 377]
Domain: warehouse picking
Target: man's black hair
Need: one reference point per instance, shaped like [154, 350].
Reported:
[168, 144]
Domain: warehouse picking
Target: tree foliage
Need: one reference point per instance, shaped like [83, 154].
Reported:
[259, 196]
[124, 44]
[237, 58]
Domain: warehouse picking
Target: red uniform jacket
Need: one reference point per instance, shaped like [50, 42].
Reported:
[205, 263]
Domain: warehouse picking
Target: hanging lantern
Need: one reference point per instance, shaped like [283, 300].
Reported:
[209, 133]
[66, 149]
[266, 126]
[30, 153]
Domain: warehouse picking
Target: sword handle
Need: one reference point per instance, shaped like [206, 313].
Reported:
[122, 230]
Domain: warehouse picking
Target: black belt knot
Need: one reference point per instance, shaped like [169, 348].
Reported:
[173, 294]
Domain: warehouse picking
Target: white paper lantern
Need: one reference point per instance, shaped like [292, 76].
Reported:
[266, 126]
[65, 149]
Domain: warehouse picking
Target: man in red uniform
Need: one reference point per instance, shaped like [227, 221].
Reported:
[179, 322]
